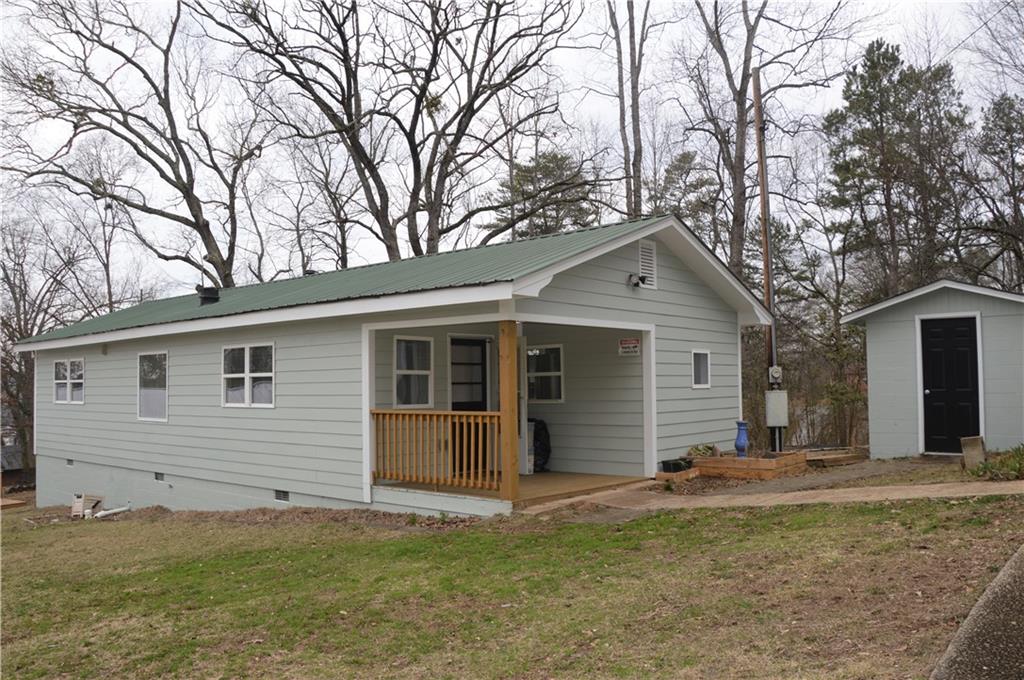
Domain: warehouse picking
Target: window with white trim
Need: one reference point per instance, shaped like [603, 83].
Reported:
[248, 376]
[69, 381]
[414, 372]
[648, 265]
[153, 386]
[701, 368]
[544, 374]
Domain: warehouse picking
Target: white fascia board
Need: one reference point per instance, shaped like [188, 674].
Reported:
[930, 288]
[389, 303]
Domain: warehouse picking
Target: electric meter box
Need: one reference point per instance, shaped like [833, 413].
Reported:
[776, 408]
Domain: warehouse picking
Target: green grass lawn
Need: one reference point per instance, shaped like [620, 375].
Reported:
[851, 591]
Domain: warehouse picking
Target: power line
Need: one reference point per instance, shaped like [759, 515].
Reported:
[975, 31]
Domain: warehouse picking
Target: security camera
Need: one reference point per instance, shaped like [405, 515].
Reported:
[637, 280]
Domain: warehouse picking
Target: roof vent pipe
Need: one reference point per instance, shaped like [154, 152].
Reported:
[208, 295]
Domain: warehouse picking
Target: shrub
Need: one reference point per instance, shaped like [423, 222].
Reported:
[1002, 467]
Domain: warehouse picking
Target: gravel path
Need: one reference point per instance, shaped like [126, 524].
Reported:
[636, 498]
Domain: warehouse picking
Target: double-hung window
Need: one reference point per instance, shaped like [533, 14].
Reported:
[248, 376]
[69, 381]
[153, 386]
[544, 376]
[414, 374]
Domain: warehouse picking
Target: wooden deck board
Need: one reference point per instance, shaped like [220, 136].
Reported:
[540, 487]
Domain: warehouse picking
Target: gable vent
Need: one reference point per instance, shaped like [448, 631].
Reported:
[282, 496]
[648, 264]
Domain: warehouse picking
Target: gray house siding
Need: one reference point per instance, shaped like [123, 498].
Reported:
[384, 360]
[687, 315]
[892, 363]
[309, 443]
[599, 427]
[213, 457]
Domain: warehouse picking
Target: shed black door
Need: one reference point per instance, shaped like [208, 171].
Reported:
[949, 355]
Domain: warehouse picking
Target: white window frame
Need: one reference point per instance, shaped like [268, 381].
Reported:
[395, 372]
[67, 381]
[693, 369]
[543, 374]
[249, 376]
[167, 385]
[639, 261]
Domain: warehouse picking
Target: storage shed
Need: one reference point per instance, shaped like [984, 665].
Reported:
[944, 361]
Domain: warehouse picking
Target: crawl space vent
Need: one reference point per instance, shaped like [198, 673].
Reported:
[281, 496]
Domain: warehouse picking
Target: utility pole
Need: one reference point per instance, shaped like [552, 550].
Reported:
[774, 374]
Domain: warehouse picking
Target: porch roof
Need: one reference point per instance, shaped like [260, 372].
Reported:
[482, 265]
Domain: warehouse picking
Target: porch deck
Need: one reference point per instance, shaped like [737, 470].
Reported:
[535, 489]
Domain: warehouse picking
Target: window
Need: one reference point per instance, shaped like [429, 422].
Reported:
[701, 368]
[414, 373]
[544, 378]
[69, 381]
[153, 386]
[249, 376]
[648, 265]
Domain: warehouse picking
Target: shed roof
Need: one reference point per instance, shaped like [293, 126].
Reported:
[929, 288]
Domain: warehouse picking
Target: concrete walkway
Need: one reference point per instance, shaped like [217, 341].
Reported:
[637, 497]
[990, 642]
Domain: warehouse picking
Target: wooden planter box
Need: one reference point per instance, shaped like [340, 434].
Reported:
[677, 476]
[751, 468]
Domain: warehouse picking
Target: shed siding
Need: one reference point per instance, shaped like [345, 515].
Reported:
[687, 315]
[892, 370]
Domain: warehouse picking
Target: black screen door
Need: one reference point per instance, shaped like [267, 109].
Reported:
[469, 374]
[949, 362]
[469, 393]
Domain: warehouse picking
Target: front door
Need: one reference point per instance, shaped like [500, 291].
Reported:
[949, 362]
[469, 393]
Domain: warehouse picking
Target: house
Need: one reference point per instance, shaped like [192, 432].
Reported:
[944, 361]
[403, 386]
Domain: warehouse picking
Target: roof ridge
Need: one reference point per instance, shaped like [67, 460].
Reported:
[424, 256]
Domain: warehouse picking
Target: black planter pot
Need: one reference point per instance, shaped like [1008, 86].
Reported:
[673, 466]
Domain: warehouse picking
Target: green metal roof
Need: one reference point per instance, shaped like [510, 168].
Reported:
[482, 265]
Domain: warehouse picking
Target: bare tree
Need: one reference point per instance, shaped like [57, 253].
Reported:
[402, 86]
[796, 46]
[997, 39]
[108, 71]
[629, 66]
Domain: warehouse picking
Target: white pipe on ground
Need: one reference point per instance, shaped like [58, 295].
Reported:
[113, 511]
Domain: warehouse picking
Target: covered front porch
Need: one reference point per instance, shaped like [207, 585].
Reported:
[454, 406]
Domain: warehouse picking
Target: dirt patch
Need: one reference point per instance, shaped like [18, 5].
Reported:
[275, 517]
[271, 517]
[699, 485]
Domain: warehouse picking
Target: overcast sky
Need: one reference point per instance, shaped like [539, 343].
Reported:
[928, 30]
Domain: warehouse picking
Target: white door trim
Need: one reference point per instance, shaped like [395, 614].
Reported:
[918, 318]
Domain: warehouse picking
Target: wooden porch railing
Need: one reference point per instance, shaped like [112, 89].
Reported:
[442, 448]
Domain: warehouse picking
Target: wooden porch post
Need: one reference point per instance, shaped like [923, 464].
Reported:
[508, 387]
